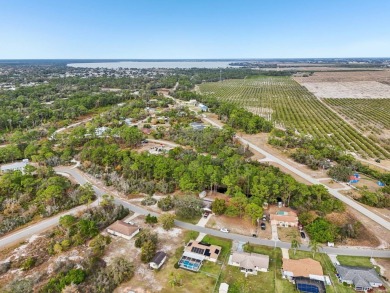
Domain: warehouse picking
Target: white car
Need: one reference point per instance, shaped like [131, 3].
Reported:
[224, 230]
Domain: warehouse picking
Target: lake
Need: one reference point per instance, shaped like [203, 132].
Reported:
[154, 64]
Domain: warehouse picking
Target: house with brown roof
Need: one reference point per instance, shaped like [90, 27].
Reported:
[305, 267]
[284, 219]
[123, 229]
[210, 252]
[249, 263]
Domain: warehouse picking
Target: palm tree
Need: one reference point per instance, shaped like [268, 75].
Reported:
[314, 246]
[295, 244]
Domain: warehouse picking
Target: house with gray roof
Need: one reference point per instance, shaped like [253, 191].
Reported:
[363, 279]
[249, 263]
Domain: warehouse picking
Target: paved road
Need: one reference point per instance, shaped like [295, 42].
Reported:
[81, 179]
[307, 177]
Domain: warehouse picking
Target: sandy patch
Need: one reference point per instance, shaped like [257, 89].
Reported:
[356, 90]
[364, 75]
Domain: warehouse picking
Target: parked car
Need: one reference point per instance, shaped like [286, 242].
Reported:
[254, 235]
[303, 235]
[205, 215]
[262, 225]
[264, 218]
[377, 160]
[224, 230]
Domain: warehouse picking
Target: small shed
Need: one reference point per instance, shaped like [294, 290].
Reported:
[223, 288]
[158, 260]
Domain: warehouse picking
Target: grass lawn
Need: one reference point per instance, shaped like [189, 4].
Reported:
[270, 281]
[190, 235]
[224, 243]
[193, 221]
[355, 261]
[328, 269]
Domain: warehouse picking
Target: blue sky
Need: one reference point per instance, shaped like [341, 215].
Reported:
[194, 29]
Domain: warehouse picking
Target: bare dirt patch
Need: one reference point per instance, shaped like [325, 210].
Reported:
[364, 75]
[238, 226]
[286, 234]
[353, 89]
[385, 264]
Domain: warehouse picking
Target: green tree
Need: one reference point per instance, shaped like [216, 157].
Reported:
[167, 220]
[253, 212]
[295, 244]
[314, 247]
[218, 206]
[148, 250]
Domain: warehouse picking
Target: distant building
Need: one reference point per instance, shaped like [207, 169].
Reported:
[158, 260]
[249, 263]
[122, 229]
[197, 126]
[363, 279]
[101, 130]
[203, 107]
[284, 219]
[17, 166]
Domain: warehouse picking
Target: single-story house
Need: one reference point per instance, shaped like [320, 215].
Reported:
[363, 279]
[203, 107]
[210, 252]
[250, 263]
[305, 267]
[197, 126]
[284, 219]
[192, 102]
[123, 229]
[158, 260]
[17, 166]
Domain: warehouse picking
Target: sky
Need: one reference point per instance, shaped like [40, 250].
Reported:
[197, 29]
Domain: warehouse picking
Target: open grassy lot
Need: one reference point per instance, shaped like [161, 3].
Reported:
[328, 269]
[355, 261]
[193, 221]
[288, 104]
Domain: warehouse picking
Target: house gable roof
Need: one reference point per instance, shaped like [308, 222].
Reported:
[302, 267]
[361, 277]
[123, 228]
[251, 260]
[159, 257]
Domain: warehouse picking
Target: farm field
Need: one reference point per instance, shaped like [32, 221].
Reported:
[349, 89]
[347, 76]
[288, 104]
[370, 116]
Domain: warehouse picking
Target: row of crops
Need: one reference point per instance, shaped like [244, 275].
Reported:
[288, 104]
[366, 114]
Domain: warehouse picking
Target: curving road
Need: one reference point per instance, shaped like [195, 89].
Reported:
[81, 178]
[307, 177]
